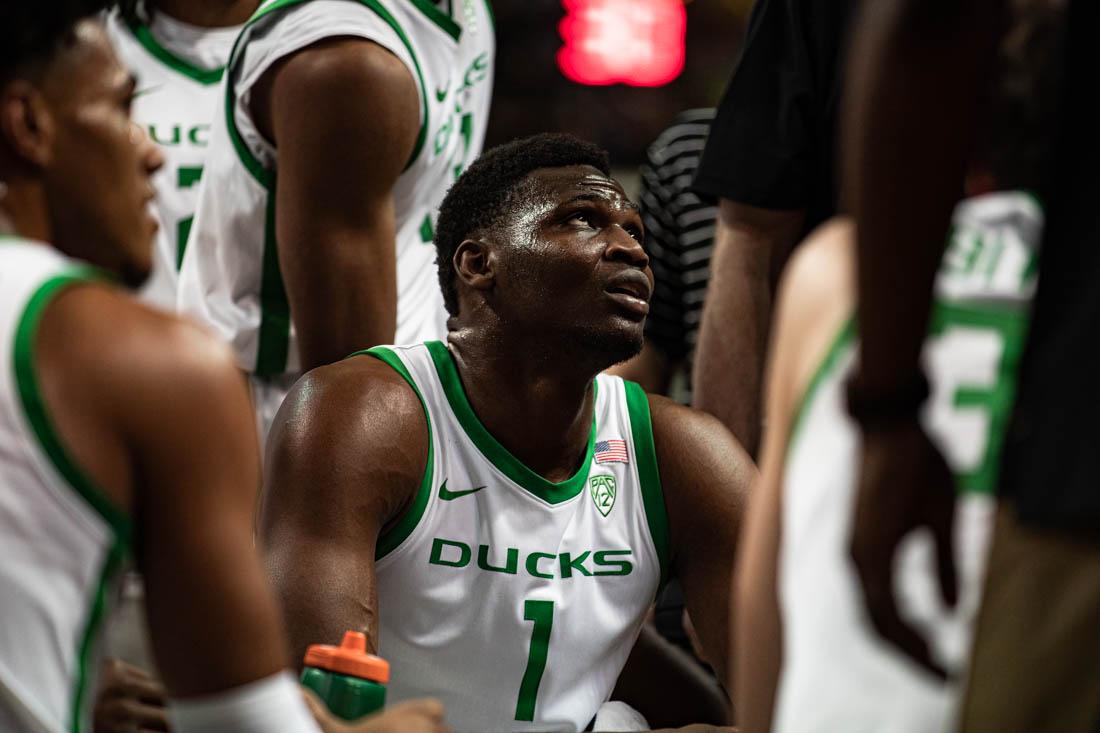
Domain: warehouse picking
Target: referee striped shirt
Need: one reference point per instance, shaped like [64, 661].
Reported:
[679, 236]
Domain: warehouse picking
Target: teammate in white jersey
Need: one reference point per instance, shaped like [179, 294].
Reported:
[343, 125]
[837, 674]
[177, 49]
[492, 512]
[123, 431]
[800, 600]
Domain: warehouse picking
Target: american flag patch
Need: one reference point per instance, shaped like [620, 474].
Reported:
[611, 451]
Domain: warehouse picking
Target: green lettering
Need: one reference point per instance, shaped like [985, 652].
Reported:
[510, 565]
[625, 567]
[533, 564]
[193, 135]
[176, 135]
[569, 565]
[464, 553]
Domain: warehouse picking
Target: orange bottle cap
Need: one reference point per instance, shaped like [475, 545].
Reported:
[350, 658]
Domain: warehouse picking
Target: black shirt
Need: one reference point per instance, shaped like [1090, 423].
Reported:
[773, 142]
[1051, 464]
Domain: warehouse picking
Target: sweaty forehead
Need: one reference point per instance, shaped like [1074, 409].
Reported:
[557, 185]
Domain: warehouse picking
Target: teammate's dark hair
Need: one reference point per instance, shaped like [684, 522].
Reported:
[481, 198]
[35, 31]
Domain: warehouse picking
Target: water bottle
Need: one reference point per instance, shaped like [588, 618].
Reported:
[350, 681]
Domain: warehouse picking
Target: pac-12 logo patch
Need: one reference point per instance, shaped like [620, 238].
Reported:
[603, 492]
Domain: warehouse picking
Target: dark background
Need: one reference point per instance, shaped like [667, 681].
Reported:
[531, 94]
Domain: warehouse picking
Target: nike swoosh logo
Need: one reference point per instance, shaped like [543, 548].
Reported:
[447, 495]
[440, 95]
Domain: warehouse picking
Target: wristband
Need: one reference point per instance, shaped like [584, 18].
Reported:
[883, 408]
[274, 703]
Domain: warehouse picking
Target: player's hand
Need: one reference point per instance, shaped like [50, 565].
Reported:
[415, 716]
[904, 484]
[130, 700]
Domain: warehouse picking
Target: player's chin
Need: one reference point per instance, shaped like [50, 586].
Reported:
[621, 339]
[134, 270]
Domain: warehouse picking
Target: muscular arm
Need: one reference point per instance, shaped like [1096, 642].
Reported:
[345, 456]
[156, 412]
[751, 244]
[345, 116]
[705, 475]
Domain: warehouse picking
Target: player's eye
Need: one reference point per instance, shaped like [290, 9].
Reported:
[634, 232]
[580, 217]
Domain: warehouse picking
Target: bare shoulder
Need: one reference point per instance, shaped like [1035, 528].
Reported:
[698, 457]
[816, 298]
[357, 410]
[127, 347]
[349, 75]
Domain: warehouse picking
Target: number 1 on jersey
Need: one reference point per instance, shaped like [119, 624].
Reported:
[542, 613]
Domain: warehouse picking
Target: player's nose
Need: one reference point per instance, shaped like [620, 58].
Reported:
[152, 158]
[624, 247]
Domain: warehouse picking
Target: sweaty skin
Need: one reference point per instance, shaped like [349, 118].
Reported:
[537, 322]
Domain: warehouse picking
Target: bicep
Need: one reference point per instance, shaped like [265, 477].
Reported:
[336, 473]
[706, 474]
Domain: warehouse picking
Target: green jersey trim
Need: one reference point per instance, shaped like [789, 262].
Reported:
[492, 16]
[845, 336]
[492, 450]
[266, 177]
[441, 19]
[145, 37]
[34, 406]
[111, 566]
[273, 345]
[392, 538]
[645, 453]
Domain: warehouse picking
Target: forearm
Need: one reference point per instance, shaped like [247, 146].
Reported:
[757, 645]
[751, 246]
[344, 301]
[915, 86]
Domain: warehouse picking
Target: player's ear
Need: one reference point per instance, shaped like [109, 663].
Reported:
[474, 264]
[25, 123]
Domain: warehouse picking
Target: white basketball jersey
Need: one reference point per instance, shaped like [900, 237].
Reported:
[838, 675]
[62, 542]
[175, 103]
[515, 600]
[230, 277]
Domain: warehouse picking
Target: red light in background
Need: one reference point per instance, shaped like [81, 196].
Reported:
[635, 42]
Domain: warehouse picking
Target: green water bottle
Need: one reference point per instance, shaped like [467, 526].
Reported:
[350, 681]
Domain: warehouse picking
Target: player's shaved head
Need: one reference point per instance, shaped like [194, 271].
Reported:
[487, 193]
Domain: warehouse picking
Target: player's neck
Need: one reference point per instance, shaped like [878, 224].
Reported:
[536, 407]
[208, 13]
[23, 213]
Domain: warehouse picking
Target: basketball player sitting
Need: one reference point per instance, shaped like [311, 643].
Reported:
[493, 511]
